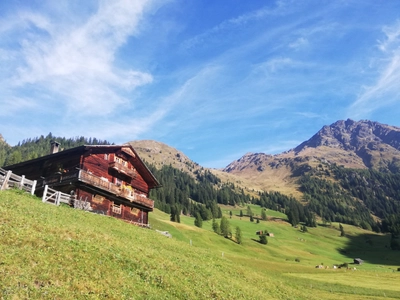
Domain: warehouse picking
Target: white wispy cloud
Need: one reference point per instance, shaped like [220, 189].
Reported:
[12, 105]
[386, 89]
[299, 43]
[75, 63]
[281, 7]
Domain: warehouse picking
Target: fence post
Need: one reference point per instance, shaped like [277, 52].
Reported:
[44, 193]
[21, 183]
[6, 178]
[58, 196]
[33, 187]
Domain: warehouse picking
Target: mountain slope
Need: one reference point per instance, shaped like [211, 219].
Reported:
[160, 154]
[360, 145]
[371, 144]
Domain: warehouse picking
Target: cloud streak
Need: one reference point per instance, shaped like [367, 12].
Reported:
[386, 89]
[76, 63]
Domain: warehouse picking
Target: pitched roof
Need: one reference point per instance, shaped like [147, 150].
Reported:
[139, 164]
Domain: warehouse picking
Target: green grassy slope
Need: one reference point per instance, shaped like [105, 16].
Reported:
[49, 252]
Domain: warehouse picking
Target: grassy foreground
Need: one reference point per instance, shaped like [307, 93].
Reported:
[49, 252]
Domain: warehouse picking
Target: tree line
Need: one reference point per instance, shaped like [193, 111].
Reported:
[183, 193]
[32, 148]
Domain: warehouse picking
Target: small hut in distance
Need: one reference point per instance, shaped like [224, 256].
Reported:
[358, 261]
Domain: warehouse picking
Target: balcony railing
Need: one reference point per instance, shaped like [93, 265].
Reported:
[99, 182]
[104, 184]
[122, 169]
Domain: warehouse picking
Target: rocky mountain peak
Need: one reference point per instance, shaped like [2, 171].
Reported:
[354, 136]
[353, 144]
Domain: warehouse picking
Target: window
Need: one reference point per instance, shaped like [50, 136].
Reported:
[118, 181]
[106, 156]
[121, 161]
[116, 209]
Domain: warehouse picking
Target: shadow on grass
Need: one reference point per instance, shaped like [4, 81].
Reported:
[258, 241]
[371, 248]
[324, 225]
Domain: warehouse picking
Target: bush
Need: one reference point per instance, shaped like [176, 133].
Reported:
[344, 265]
[297, 259]
[263, 239]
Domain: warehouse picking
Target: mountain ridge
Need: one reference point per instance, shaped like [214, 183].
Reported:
[354, 144]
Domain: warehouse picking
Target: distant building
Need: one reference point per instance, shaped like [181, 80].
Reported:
[358, 261]
[110, 180]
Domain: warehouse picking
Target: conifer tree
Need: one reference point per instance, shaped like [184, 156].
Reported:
[238, 235]
[249, 212]
[342, 233]
[263, 214]
[215, 227]
[198, 221]
[225, 228]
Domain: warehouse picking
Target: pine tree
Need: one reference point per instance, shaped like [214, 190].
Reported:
[225, 228]
[342, 233]
[263, 214]
[238, 235]
[249, 212]
[215, 227]
[198, 221]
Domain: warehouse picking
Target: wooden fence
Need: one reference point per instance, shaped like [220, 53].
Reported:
[9, 180]
[55, 197]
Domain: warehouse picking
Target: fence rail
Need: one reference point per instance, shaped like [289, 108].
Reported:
[9, 180]
[55, 197]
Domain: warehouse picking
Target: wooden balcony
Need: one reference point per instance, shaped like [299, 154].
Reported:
[120, 168]
[101, 183]
[113, 188]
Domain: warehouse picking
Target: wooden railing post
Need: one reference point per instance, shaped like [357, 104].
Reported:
[45, 193]
[33, 187]
[6, 178]
[21, 183]
[58, 196]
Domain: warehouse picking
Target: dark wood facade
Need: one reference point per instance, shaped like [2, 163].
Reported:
[110, 180]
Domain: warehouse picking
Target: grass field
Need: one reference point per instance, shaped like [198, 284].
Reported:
[49, 252]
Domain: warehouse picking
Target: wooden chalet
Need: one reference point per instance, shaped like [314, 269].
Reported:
[110, 180]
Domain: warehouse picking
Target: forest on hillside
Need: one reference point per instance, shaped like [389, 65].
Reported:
[354, 196]
[181, 192]
[39, 146]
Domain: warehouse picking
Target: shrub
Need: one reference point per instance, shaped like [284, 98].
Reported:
[263, 239]
[344, 265]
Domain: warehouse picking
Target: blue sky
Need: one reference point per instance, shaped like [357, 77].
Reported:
[214, 79]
